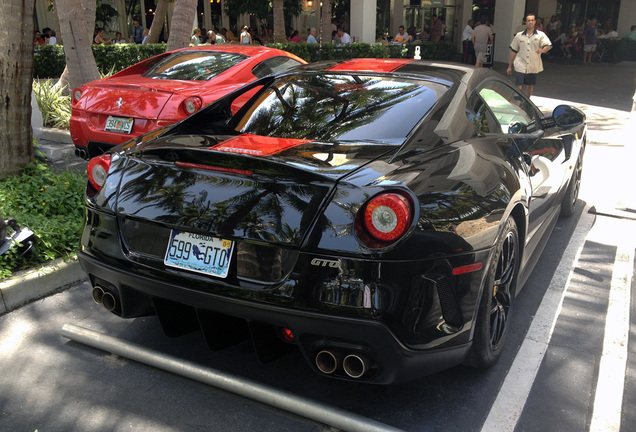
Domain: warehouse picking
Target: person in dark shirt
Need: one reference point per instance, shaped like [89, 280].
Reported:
[589, 46]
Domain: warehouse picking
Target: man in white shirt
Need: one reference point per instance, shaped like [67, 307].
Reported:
[467, 43]
[525, 53]
[311, 39]
[343, 37]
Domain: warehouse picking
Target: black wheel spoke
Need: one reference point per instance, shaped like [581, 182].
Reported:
[501, 291]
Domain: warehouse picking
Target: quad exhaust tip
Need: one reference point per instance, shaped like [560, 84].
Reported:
[326, 362]
[104, 298]
[354, 365]
[81, 153]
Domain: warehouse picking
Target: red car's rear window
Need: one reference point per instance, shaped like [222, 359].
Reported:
[194, 65]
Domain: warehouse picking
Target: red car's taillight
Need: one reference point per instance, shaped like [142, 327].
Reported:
[98, 170]
[77, 94]
[192, 105]
[386, 217]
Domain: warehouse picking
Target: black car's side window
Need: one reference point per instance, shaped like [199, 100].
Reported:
[480, 116]
[273, 65]
[512, 111]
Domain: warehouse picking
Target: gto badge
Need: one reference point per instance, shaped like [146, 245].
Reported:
[319, 262]
[120, 102]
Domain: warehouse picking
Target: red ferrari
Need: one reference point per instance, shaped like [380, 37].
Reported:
[164, 89]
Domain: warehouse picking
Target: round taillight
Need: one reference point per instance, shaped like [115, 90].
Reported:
[192, 105]
[77, 94]
[98, 170]
[387, 216]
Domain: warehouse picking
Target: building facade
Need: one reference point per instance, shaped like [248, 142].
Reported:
[366, 19]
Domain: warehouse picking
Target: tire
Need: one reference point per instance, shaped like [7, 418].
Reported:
[493, 315]
[568, 205]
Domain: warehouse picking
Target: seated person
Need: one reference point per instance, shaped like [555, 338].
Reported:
[118, 39]
[400, 37]
[569, 42]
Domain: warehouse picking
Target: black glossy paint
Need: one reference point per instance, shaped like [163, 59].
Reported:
[299, 262]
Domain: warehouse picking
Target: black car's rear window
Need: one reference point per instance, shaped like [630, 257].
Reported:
[341, 107]
[194, 65]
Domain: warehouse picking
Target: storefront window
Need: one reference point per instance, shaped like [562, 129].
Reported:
[419, 14]
[576, 12]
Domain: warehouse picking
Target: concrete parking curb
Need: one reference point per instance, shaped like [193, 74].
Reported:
[57, 135]
[29, 285]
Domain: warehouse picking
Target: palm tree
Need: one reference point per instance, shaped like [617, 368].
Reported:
[279, 21]
[325, 22]
[160, 16]
[181, 25]
[77, 22]
[16, 79]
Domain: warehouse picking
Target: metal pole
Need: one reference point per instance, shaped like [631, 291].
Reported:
[277, 398]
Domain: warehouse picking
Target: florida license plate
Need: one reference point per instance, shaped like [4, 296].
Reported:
[199, 253]
[119, 124]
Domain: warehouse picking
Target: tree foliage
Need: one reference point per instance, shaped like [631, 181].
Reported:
[261, 9]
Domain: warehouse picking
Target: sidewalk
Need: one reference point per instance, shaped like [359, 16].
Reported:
[605, 92]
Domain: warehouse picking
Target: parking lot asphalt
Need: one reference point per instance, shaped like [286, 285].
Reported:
[605, 92]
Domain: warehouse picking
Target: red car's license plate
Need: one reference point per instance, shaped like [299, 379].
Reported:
[119, 124]
[199, 253]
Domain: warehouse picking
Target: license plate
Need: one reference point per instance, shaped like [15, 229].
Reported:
[199, 253]
[119, 124]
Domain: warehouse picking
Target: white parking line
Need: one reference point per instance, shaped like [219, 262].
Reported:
[608, 401]
[508, 406]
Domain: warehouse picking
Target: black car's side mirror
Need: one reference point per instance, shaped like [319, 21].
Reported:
[568, 116]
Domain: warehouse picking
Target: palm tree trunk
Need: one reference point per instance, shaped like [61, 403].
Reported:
[279, 22]
[16, 80]
[157, 22]
[325, 17]
[77, 22]
[181, 25]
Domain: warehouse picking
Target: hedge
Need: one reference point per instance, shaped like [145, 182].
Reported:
[50, 60]
[617, 50]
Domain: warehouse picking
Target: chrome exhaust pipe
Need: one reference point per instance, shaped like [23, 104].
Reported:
[355, 365]
[326, 362]
[109, 301]
[98, 295]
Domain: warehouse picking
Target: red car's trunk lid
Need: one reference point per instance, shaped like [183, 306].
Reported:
[141, 98]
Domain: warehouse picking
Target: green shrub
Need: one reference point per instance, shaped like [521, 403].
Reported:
[617, 50]
[428, 50]
[51, 205]
[119, 56]
[443, 51]
[54, 105]
[49, 61]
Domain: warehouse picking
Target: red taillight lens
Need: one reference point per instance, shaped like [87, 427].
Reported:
[98, 170]
[287, 335]
[192, 105]
[387, 216]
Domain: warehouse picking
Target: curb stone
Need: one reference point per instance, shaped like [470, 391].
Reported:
[30, 285]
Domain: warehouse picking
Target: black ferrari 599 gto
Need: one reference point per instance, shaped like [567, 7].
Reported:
[379, 215]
